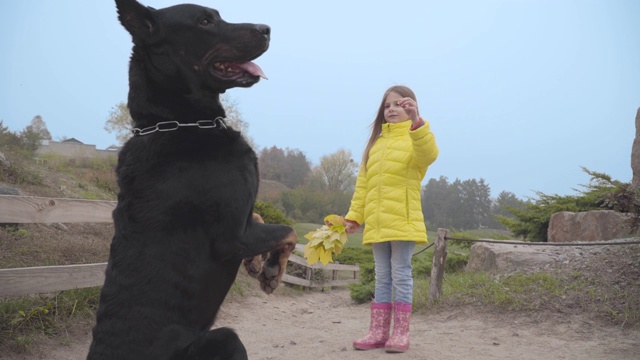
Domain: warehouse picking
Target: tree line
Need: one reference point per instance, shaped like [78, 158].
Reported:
[28, 138]
[316, 191]
[327, 189]
[312, 192]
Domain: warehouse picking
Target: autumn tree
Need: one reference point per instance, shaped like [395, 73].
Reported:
[34, 133]
[306, 204]
[296, 168]
[37, 126]
[119, 122]
[327, 190]
[286, 166]
[235, 119]
[338, 171]
[271, 163]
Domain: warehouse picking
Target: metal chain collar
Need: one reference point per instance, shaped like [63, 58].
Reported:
[174, 125]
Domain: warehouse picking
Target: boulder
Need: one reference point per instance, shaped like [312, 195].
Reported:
[597, 225]
[492, 257]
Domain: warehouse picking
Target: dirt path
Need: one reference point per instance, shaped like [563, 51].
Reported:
[322, 325]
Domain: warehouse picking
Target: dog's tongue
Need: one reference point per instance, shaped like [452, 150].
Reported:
[253, 69]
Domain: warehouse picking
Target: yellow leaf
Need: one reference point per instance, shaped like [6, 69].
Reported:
[334, 219]
[328, 239]
[337, 249]
[325, 257]
[308, 249]
[313, 256]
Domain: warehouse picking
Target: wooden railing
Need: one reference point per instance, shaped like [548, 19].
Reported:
[43, 279]
[352, 270]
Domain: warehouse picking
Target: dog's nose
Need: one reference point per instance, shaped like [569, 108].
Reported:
[264, 29]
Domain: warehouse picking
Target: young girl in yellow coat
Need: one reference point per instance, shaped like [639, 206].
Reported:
[387, 200]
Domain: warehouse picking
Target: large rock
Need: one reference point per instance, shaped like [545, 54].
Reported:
[635, 154]
[597, 225]
[493, 257]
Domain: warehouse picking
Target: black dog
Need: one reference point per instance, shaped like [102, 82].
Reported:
[184, 222]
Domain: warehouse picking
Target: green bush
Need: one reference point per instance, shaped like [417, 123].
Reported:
[271, 214]
[17, 173]
[602, 192]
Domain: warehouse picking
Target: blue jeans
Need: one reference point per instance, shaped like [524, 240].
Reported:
[394, 281]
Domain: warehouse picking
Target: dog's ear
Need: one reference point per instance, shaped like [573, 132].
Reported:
[136, 18]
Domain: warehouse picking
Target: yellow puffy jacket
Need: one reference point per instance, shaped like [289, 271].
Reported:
[387, 195]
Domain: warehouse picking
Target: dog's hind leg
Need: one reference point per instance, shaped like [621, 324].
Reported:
[221, 343]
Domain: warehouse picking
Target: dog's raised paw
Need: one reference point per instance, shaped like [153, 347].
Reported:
[275, 265]
[253, 265]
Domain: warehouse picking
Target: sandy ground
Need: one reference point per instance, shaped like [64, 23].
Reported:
[322, 326]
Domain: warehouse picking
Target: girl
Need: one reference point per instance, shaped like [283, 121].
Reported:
[387, 199]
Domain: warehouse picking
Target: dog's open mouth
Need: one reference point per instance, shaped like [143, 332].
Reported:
[237, 71]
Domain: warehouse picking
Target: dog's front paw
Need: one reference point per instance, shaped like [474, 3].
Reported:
[253, 265]
[275, 264]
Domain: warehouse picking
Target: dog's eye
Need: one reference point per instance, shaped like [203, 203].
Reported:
[205, 22]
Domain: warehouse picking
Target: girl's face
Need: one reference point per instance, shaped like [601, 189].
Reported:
[394, 113]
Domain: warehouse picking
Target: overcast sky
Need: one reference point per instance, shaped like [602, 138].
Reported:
[520, 93]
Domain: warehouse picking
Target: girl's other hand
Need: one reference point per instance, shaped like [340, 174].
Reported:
[351, 226]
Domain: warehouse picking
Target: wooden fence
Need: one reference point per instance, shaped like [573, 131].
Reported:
[352, 270]
[44, 279]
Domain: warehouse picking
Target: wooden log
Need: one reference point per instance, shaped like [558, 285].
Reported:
[311, 284]
[296, 280]
[330, 266]
[45, 279]
[437, 269]
[31, 209]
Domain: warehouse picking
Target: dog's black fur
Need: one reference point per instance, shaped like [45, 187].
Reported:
[184, 222]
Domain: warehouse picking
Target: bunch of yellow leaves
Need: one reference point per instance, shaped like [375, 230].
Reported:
[330, 238]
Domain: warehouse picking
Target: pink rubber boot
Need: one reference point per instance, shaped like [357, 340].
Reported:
[378, 329]
[399, 341]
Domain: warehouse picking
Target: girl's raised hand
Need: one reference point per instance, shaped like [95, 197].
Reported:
[411, 108]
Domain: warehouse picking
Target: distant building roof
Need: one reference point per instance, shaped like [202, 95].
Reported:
[72, 140]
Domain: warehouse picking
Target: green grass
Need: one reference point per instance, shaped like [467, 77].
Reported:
[518, 292]
[23, 319]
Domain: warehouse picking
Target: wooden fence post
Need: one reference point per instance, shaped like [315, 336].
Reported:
[308, 278]
[437, 269]
[334, 275]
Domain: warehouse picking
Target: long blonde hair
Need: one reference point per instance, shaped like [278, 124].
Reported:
[376, 125]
